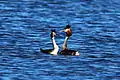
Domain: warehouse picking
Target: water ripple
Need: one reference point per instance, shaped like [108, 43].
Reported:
[25, 28]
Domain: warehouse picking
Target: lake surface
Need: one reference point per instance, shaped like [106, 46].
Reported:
[25, 26]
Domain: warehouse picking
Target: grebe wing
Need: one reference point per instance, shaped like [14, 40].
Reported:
[69, 52]
[46, 51]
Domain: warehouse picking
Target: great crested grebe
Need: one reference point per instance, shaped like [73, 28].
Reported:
[65, 50]
[55, 49]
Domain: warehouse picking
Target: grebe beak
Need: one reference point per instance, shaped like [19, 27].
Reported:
[62, 30]
[56, 34]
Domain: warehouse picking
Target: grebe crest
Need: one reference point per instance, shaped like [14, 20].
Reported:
[53, 33]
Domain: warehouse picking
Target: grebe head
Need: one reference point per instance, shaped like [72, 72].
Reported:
[53, 33]
[68, 30]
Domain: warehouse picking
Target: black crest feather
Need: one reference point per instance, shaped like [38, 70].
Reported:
[67, 26]
[53, 30]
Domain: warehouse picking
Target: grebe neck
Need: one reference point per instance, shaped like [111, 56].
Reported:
[55, 47]
[54, 43]
[65, 43]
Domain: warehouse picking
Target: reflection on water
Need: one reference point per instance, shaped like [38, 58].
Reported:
[25, 27]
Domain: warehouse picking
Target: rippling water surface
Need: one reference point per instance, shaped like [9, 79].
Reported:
[25, 27]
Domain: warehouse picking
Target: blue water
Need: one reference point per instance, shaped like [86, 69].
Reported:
[25, 27]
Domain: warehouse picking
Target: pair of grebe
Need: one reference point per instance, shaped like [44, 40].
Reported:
[65, 50]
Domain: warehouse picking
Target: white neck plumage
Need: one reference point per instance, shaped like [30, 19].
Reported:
[55, 47]
[65, 43]
[54, 43]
